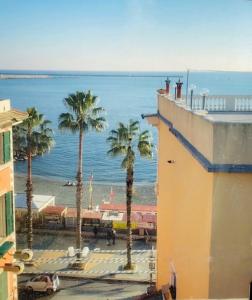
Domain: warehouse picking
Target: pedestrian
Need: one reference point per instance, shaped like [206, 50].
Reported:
[108, 237]
[113, 236]
[95, 230]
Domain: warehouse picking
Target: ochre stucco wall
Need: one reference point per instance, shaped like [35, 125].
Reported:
[231, 249]
[197, 130]
[5, 180]
[184, 218]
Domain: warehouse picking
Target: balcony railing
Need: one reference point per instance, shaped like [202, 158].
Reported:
[216, 103]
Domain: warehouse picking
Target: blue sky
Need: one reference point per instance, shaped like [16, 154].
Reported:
[126, 34]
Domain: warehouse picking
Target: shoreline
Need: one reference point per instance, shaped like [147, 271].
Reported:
[64, 180]
[65, 195]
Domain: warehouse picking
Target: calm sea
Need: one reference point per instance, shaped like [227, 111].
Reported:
[123, 95]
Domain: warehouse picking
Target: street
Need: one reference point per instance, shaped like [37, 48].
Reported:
[88, 289]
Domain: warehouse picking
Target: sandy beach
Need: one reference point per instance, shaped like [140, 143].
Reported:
[143, 193]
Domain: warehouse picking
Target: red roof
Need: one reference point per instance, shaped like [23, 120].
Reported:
[122, 207]
[54, 210]
[87, 214]
[71, 213]
[91, 214]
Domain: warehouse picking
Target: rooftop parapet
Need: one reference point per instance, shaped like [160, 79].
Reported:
[214, 103]
[218, 134]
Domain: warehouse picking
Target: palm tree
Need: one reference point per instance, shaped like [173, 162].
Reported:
[83, 116]
[125, 141]
[33, 137]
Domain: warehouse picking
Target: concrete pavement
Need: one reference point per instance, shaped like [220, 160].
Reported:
[99, 264]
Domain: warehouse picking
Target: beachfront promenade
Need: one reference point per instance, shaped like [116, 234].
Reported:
[99, 264]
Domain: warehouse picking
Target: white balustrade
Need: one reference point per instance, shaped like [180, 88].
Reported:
[221, 103]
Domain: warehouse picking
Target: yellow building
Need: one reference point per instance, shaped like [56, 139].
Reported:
[8, 279]
[204, 194]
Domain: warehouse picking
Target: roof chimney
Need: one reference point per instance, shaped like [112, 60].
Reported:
[179, 89]
[167, 86]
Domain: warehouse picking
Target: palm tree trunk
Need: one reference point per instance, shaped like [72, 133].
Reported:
[129, 186]
[79, 193]
[29, 200]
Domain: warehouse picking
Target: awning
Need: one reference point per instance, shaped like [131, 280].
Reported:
[5, 247]
[85, 214]
[112, 216]
[91, 214]
[12, 117]
[54, 210]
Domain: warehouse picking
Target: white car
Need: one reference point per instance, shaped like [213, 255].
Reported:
[43, 283]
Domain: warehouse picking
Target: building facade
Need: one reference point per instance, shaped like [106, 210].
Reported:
[8, 279]
[204, 188]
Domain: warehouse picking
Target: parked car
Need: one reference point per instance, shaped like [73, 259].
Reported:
[43, 283]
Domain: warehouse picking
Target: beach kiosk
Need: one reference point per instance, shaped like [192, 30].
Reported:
[70, 217]
[53, 214]
[91, 217]
[122, 224]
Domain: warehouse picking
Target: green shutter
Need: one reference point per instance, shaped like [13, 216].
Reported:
[9, 213]
[6, 143]
[3, 286]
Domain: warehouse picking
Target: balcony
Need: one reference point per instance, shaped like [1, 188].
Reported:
[214, 103]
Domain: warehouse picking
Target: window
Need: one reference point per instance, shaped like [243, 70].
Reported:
[5, 151]
[6, 215]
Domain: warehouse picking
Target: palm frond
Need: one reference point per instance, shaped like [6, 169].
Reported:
[97, 111]
[68, 123]
[97, 124]
[85, 115]
[33, 135]
[144, 144]
[117, 150]
[126, 139]
[134, 127]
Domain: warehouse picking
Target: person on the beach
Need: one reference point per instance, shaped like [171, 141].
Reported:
[113, 232]
[109, 236]
[95, 230]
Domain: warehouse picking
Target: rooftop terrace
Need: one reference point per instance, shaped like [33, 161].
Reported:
[217, 108]
[215, 129]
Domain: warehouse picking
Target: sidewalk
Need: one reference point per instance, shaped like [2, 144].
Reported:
[100, 264]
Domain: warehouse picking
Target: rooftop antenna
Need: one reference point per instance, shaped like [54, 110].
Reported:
[187, 83]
